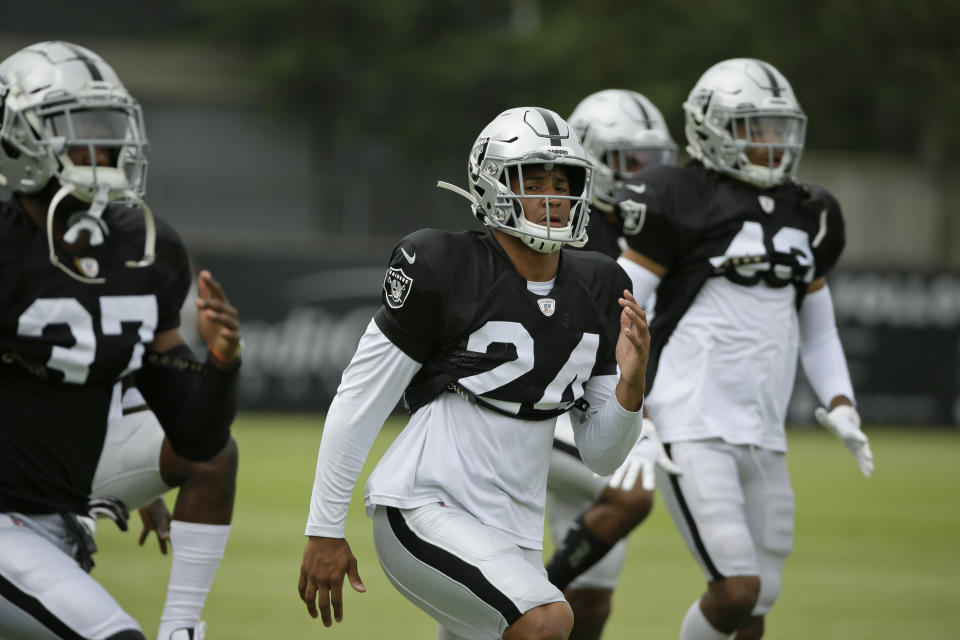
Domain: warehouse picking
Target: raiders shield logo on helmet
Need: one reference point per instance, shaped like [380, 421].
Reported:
[396, 287]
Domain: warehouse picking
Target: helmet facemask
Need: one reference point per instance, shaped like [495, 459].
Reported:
[565, 215]
[623, 163]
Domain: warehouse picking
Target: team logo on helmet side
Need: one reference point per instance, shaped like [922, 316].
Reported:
[396, 287]
[476, 155]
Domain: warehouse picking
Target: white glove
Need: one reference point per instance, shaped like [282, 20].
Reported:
[643, 459]
[844, 422]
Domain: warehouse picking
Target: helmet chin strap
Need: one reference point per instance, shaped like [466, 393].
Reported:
[463, 192]
[92, 222]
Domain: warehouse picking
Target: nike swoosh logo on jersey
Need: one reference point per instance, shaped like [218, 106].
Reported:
[410, 258]
[638, 189]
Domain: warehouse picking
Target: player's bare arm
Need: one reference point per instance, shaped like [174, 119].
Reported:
[325, 563]
[645, 262]
[633, 348]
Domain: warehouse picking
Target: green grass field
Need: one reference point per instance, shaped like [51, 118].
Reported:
[875, 559]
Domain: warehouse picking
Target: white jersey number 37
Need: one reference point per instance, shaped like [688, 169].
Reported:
[75, 361]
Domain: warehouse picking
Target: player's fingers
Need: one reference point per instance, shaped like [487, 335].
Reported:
[336, 599]
[213, 287]
[224, 319]
[636, 316]
[616, 478]
[143, 536]
[230, 335]
[216, 305]
[669, 465]
[353, 574]
[865, 459]
[308, 593]
[323, 604]
[823, 417]
[649, 480]
[630, 477]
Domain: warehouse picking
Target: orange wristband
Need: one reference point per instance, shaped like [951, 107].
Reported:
[233, 358]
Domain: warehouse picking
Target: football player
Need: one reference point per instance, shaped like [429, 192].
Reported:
[488, 336]
[622, 133]
[91, 287]
[738, 252]
[138, 465]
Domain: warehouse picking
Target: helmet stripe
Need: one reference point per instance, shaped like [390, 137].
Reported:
[776, 88]
[552, 128]
[90, 64]
[646, 116]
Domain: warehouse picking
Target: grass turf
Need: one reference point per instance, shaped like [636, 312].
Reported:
[874, 558]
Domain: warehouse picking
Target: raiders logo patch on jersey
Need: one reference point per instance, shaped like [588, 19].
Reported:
[633, 215]
[396, 286]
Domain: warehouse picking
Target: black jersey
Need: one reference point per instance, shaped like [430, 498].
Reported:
[603, 235]
[700, 224]
[455, 303]
[64, 343]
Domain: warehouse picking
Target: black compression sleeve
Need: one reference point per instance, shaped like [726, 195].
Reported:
[195, 402]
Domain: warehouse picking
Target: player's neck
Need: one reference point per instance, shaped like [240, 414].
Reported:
[532, 265]
[36, 207]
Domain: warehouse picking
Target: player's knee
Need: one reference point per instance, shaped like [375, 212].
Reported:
[548, 622]
[751, 630]
[591, 607]
[632, 507]
[736, 597]
[221, 470]
[637, 502]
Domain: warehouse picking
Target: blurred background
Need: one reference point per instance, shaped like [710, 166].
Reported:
[293, 143]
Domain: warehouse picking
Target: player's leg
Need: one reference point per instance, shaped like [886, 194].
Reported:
[468, 577]
[607, 516]
[198, 534]
[770, 509]
[707, 505]
[572, 489]
[44, 594]
[137, 465]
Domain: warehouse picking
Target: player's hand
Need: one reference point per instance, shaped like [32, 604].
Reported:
[643, 460]
[325, 562]
[633, 349]
[156, 517]
[844, 422]
[217, 321]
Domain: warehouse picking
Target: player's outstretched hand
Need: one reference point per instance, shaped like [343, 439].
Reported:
[633, 349]
[156, 517]
[217, 320]
[325, 562]
[844, 422]
[644, 458]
